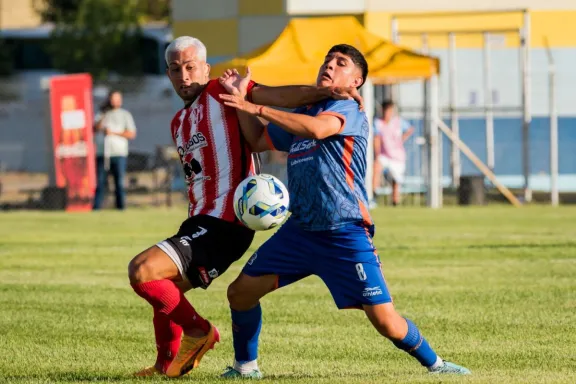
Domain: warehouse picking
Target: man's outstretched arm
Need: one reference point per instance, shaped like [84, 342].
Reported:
[288, 96]
[294, 96]
[313, 127]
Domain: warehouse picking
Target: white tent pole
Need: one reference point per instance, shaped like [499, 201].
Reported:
[433, 164]
[368, 96]
[554, 194]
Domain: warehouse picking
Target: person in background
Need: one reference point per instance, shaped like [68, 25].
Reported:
[390, 133]
[114, 127]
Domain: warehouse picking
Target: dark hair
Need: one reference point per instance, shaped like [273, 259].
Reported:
[107, 105]
[386, 104]
[356, 56]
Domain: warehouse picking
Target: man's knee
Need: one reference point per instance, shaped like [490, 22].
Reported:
[236, 298]
[150, 265]
[140, 271]
[246, 291]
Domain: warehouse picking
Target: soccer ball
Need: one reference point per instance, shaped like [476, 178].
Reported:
[261, 202]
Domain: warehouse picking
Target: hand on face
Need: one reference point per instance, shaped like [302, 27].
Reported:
[342, 76]
[348, 93]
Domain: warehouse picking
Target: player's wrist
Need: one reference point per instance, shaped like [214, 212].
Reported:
[259, 110]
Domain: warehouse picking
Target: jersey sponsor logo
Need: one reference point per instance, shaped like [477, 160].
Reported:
[204, 275]
[192, 169]
[303, 150]
[372, 291]
[302, 145]
[197, 141]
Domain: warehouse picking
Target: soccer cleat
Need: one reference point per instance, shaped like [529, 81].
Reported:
[231, 373]
[451, 368]
[191, 351]
[148, 372]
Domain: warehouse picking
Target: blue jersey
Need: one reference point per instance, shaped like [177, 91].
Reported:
[326, 177]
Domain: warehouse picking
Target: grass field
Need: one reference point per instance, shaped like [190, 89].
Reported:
[492, 288]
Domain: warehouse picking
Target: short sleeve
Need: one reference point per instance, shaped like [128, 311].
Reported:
[130, 125]
[353, 120]
[277, 138]
[251, 87]
[376, 126]
[404, 125]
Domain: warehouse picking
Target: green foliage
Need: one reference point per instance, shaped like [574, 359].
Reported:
[155, 9]
[102, 37]
[65, 10]
[54, 11]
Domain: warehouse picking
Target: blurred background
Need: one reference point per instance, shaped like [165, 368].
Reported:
[506, 78]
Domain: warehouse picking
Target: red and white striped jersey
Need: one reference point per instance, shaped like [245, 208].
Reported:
[214, 155]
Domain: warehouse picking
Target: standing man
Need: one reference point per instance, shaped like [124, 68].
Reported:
[114, 127]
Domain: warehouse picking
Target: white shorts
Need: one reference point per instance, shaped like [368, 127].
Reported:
[393, 170]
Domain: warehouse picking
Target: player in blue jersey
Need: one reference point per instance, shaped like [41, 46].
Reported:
[329, 233]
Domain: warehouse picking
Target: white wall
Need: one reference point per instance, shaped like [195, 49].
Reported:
[505, 80]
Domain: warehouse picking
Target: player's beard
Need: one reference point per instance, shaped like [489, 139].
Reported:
[189, 94]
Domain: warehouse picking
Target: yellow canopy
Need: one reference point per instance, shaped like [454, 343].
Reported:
[296, 55]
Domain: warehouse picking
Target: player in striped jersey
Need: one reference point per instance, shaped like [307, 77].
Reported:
[215, 158]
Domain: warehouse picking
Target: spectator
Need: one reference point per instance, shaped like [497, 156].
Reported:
[114, 127]
[391, 131]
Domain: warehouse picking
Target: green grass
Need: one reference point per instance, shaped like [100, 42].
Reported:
[492, 288]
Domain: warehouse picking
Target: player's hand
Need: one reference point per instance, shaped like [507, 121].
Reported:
[240, 103]
[348, 93]
[234, 83]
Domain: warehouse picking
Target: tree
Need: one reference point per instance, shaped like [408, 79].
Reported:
[103, 36]
[65, 10]
[155, 9]
[54, 11]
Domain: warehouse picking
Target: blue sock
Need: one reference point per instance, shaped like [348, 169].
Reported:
[417, 346]
[246, 327]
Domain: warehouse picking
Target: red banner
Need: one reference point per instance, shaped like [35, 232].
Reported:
[72, 116]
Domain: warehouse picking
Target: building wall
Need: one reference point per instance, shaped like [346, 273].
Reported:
[18, 14]
[234, 27]
[229, 27]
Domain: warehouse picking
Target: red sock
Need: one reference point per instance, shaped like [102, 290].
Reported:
[166, 298]
[168, 335]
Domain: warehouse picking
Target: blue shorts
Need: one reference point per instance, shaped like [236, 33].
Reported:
[345, 259]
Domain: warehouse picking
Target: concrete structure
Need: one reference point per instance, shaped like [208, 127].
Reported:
[18, 14]
[233, 27]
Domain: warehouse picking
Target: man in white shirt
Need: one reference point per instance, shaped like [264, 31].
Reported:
[114, 127]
